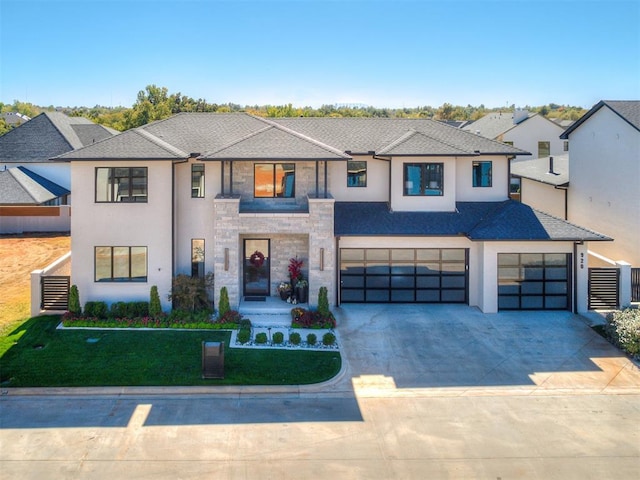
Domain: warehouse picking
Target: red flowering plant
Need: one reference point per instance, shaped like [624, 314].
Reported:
[295, 269]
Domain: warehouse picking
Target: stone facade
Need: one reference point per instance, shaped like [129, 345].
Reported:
[309, 236]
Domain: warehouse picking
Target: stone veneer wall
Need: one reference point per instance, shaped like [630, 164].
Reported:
[291, 234]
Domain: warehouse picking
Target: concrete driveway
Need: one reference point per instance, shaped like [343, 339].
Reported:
[427, 392]
[455, 348]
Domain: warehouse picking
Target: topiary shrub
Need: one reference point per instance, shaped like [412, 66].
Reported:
[244, 336]
[323, 302]
[74, 301]
[96, 309]
[245, 323]
[223, 303]
[328, 339]
[261, 338]
[295, 338]
[312, 339]
[155, 307]
[278, 338]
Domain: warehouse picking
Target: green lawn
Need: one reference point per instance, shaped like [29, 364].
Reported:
[37, 355]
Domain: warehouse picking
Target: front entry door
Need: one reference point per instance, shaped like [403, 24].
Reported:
[256, 274]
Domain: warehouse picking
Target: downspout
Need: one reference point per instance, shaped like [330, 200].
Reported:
[317, 179]
[222, 178]
[231, 177]
[325, 179]
[337, 271]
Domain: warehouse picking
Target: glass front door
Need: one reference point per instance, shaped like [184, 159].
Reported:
[256, 272]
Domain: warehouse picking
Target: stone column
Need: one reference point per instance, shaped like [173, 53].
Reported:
[227, 248]
[322, 254]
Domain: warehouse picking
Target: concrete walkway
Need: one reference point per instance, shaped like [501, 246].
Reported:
[427, 392]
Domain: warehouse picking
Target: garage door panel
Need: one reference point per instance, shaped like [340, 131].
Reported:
[404, 275]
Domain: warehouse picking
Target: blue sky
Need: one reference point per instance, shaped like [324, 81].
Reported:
[398, 53]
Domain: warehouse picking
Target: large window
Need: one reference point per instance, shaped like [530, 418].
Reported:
[482, 174]
[356, 174]
[423, 179]
[274, 180]
[197, 257]
[121, 184]
[544, 149]
[121, 264]
[197, 180]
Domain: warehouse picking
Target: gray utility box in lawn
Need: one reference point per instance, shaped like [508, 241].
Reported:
[212, 359]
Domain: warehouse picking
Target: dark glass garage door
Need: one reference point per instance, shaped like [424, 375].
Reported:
[403, 275]
[534, 281]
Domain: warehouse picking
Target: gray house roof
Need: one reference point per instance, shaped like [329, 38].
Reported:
[48, 135]
[21, 186]
[242, 136]
[495, 124]
[483, 221]
[538, 169]
[628, 110]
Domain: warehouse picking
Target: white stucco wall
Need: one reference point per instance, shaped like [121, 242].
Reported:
[377, 189]
[444, 203]
[527, 134]
[121, 224]
[604, 192]
[543, 197]
[466, 192]
[194, 216]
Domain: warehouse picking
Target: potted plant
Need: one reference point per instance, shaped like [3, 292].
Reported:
[302, 289]
[295, 270]
[284, 289]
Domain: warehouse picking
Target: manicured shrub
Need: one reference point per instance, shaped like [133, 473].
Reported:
[245, 323]
[261, 338]
[74, 301]
[223, 303]
[96, 309]
[295, 338]
[301, 318]
[244, 336]
[323, 302]
[312, 339]
[278, 338]
[190, 293]
[118, 310]
[328, 339]
[155, 307]
[137, 309]
[623, 329]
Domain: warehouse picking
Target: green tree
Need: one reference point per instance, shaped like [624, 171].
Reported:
[155, 307]
[223, 303]
[74, 301]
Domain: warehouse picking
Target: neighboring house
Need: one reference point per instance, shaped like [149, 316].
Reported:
[604, 170]
[15, 118]
[47, 135]
[379, 210]
[31, 203]
[543, 183]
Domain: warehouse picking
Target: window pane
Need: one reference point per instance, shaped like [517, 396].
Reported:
[197, 257]
[412, 179]
[453, 254]
[103, 186]
[352, 254]
[544, 149]
[356, 174]
[378, 254]
[481, 174]
[139, 264]
[433, 177]
[103, 264]
[285, 180]
[197, 181]
[121, 263]
[264, 180]
[428, 254]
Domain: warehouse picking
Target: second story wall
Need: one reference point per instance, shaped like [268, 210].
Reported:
[527, 134]
[423, 184]
[482, 179]
[364, 179]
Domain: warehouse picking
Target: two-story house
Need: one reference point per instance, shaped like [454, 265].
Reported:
[379, 210]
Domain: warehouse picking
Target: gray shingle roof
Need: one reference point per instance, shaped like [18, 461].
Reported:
[493, 124]
[484, 221]
[628, 110]
[21, 186]
[48, 135]
[244, 136]
[538, 169]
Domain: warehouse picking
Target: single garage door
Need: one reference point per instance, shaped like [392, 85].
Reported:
[404, 275]
[534, 281]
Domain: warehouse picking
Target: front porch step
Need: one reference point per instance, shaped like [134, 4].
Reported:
[271, 305]
[269, 319]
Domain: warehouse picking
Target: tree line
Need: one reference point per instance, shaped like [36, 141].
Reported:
[156, 103]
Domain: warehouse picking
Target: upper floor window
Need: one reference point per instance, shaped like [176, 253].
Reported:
[425, 179]
[121, 264]
[482, 174]
[544, 149]
[197, 180]
[565, 146]
[356, 174]
[197, 257]
[274, 180]
[121, 184]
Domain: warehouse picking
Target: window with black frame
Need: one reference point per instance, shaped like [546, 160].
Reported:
[423, 179]
[274, 180]
[120, 264]
[121, 184]
[482, 171]
[356, 174]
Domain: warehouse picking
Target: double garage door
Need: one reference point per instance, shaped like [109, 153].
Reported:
[399, 275]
